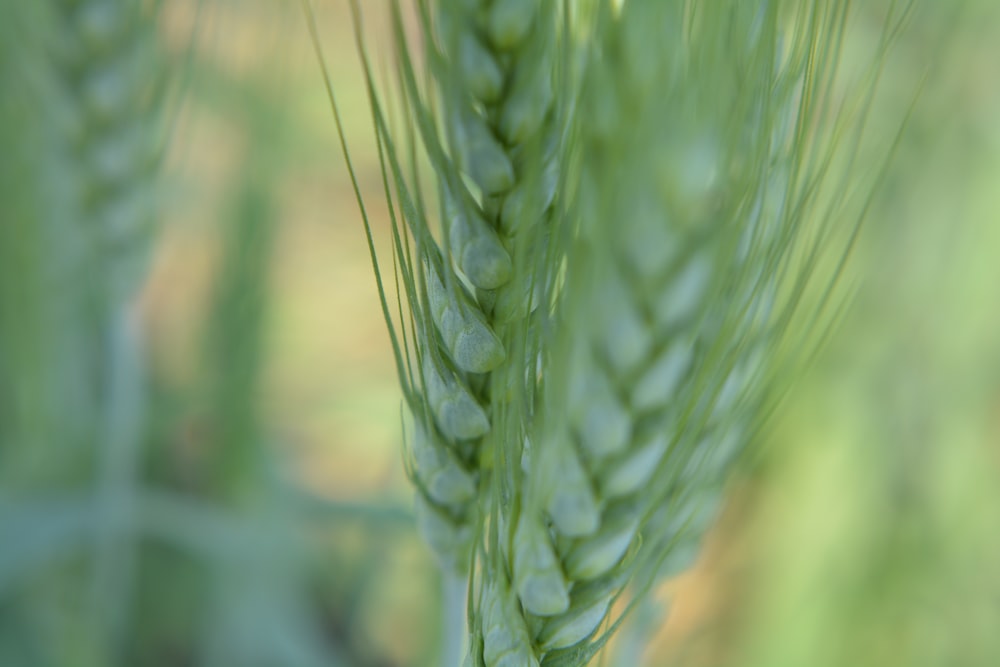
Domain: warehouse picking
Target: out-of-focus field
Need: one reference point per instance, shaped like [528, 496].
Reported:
[864, 535]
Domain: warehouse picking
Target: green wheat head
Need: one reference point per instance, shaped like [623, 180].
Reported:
[86, 82]
[83, 122]
[632, 199]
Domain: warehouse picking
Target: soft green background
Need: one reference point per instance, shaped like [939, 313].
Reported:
[272, 515]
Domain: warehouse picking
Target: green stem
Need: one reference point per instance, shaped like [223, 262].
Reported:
[453, 601]
[119, 454]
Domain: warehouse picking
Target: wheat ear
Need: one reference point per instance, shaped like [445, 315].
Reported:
[592, 339]
[485, 125]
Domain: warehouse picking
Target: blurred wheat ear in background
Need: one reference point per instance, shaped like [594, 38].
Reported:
[127, 535]
[84, 98]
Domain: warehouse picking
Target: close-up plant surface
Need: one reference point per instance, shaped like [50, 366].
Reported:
[637, 332]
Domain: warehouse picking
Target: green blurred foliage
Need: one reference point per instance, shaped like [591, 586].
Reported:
[260, 516]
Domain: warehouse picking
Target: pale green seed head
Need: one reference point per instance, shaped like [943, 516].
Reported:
[625, 339]
[528, 101]
[456, 412]
[601, 421]
[690, 175]
[594, 556]
[575, 625]
[679, 301]
[486, 263]
[571, 503]
[538, 578]
[658, 386]
[506, 642]
[628, 473]
[461, 417]
[477, 349]
[441, 474]
[509, 22]
[483, 77]
[473, 345]
[483, 157]
[450, 540]
[527, 202]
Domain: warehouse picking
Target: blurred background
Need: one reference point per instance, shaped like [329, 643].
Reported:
[200, 425]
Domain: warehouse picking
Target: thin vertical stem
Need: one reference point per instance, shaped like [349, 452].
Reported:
[119, 460]
[453, 601]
